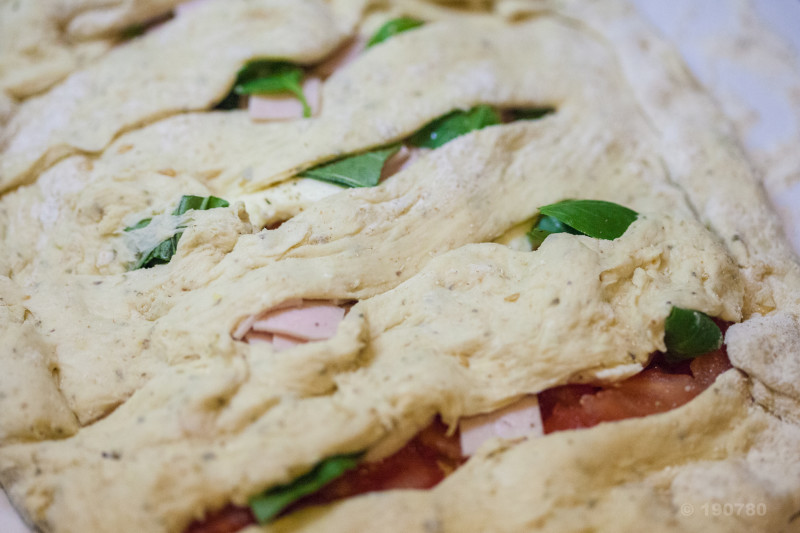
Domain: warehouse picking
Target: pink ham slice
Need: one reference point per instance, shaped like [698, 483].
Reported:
[520, 419]
[254, 337]
[291, 323]
[285, 106]
[245, 326]
[343, 56]
[282, 342]
[309, 322]
[279, 342]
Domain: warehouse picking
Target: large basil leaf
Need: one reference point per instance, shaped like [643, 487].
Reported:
[363, 170]
[546, 225]
[594, 218]
[446, 128]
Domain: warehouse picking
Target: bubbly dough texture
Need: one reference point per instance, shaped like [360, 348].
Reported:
[127, 404]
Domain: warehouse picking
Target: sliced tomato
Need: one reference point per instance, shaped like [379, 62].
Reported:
[706, 368]
[447, 447]
[560, 407]
[227, 520]
[659, 388]
[421, 464]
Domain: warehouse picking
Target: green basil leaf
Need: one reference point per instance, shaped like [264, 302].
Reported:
[159, 255]
[392, 28]
[260, 69]
[163, 252]
[363, 170]
[534, 113]
[689, 333]
[288, 81]
[537, 237]
[268, 505]
[446, 128]
[271, 77]
[594, 218]
[553, 225]
[546, 225]
[230, 102]
[200, 203]
[132, 31]
[139, 225]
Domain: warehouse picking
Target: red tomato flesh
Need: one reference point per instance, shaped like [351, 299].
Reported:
[659, 388]
[421, 464]
[226, 520]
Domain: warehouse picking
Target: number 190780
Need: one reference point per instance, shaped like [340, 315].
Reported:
[734, 509]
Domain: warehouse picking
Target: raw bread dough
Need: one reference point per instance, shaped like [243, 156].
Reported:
[140, 412]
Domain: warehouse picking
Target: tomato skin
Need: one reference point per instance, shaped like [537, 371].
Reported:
[706, 368]
[560, 407]
[226, 520]
[447, 447]
[421, 464]
[662, 386]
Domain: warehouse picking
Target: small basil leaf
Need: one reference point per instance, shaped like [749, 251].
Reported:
[363, 170]
[159, 255]
[545, 226]
[263, 68]
[231, 101]
[446, 128]
[138, 29]
[392, 28]
[594, 218]
[200, 203]
[275, 83]
[139, 225]
[689, 333]
[132, 31]
[268, 505]
[271, 77]
[163, 251]
[535, 113]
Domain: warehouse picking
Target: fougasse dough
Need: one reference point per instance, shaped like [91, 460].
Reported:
[127, 405]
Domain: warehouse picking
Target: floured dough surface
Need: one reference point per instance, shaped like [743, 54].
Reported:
[128, 402]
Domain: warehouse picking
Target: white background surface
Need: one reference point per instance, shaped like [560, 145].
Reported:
[747, 53]
[756, 78]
